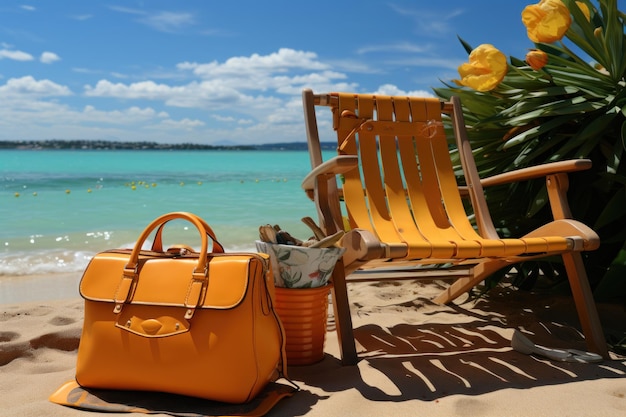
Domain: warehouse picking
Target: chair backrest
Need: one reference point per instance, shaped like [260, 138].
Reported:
[405, 190]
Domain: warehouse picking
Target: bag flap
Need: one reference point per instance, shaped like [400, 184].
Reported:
[165, 280]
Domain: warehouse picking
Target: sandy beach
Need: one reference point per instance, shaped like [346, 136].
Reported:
[417, 358]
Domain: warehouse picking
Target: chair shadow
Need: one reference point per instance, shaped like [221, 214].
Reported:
[436, 361]
[473, 356]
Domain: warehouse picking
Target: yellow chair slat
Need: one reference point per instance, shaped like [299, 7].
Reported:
[353, 190]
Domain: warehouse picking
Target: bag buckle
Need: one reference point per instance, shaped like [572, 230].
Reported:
[196, 292]
[124, 289]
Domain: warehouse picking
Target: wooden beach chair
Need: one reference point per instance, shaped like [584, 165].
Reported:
[393, 188]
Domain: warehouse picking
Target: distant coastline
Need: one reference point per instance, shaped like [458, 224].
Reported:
[59, 144]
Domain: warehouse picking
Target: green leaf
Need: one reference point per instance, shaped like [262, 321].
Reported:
[467, 46]
[554, 91]
[542, 128]
[614, 40]
[589, 136]
[613, 211]
[572, 106]
[613, 285]
[538, 202]
[581, 33]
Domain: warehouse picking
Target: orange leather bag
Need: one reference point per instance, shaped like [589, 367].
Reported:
[200, 324]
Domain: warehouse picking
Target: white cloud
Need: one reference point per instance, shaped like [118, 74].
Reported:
[280, 61]
[141, 90]
[243, 99]
[289, 113]
[185, 124]
[163, 21]
[15, 55]
[258, 96]
[392, 90]
[28, 7]
[82, 17]
[49, 57]
[210, 95]
[223, 118]
[127, 10]
[429, 22]
[168, 21]
[234, 82]
[28, 86]
[354, 66]
[129, 116]
[85, 70]
[118, 75]
[394, 47]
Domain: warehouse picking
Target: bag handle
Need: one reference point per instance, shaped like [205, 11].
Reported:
[199, 274]
[157, 244]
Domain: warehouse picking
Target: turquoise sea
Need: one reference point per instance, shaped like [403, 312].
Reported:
[59, 208]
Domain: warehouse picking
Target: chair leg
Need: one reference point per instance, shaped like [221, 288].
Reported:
[585, 304]
[343, 319]
[462, 285]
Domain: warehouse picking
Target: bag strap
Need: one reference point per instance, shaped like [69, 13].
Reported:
[157, 244]
[199, 277]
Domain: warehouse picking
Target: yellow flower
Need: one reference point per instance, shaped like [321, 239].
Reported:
[486, 69]
[536, 59]
[546, 21]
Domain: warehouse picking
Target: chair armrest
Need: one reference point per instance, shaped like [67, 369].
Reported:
[335, 166]
[361, 245]
[538, 171]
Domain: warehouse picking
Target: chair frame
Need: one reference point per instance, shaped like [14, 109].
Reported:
[368, 258]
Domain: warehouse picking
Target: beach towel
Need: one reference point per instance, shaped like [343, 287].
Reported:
[73, 395]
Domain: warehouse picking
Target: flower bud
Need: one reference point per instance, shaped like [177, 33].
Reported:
[536, 59]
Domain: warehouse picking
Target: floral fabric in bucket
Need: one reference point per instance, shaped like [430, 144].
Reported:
[300, 267]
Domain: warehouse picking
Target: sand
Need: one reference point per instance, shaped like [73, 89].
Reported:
[417, 358]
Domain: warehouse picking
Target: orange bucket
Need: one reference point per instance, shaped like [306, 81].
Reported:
[303, 312]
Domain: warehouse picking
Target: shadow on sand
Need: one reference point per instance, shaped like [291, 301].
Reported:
[469, 356]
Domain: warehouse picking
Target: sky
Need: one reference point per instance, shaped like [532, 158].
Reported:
[224, 72]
